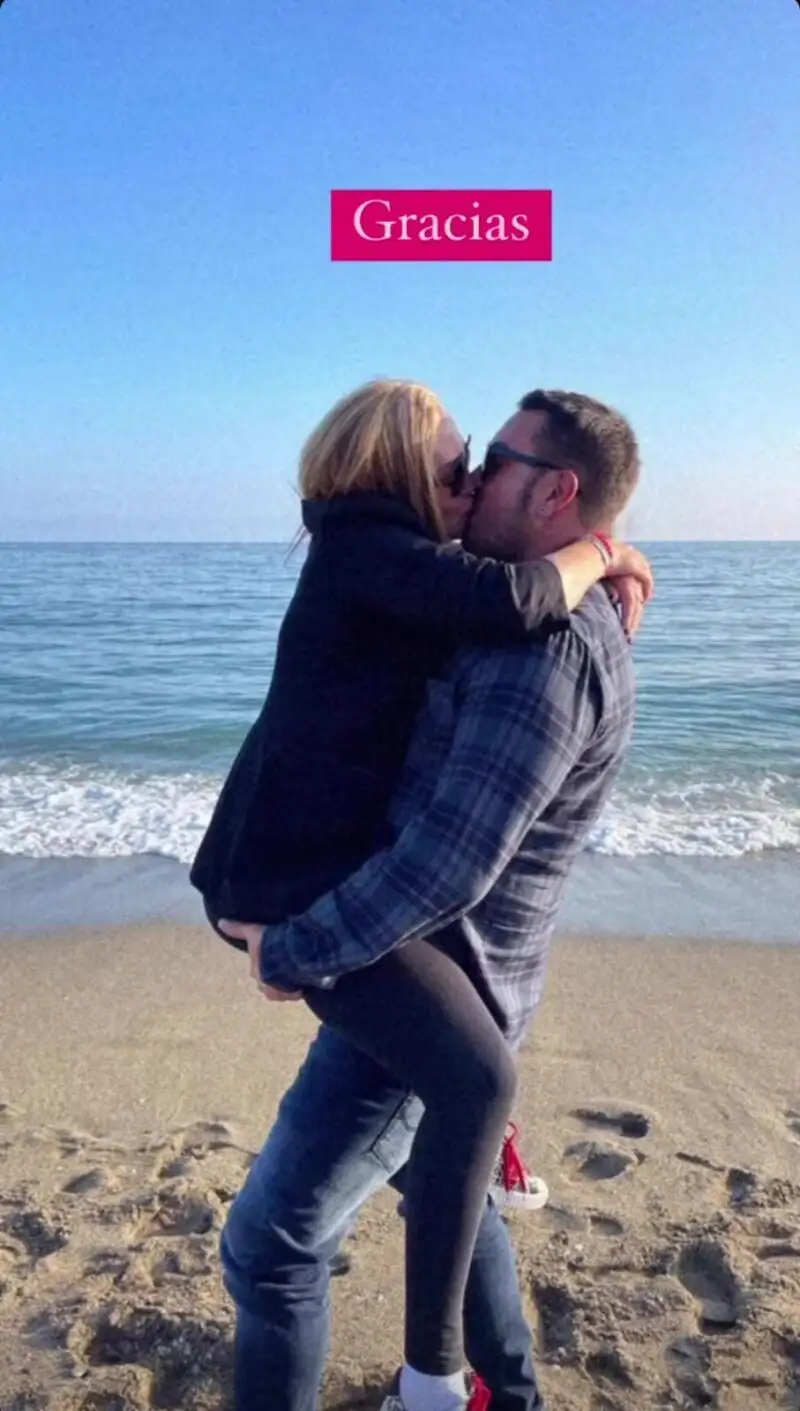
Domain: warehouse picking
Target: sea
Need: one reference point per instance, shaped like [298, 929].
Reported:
[129, 674]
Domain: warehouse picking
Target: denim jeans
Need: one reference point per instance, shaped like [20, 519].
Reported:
[344, 1130]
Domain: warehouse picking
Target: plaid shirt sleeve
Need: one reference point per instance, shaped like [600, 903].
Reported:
[523, 719]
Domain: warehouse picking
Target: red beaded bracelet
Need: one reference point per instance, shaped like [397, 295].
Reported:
[607, 542]
[603, 544]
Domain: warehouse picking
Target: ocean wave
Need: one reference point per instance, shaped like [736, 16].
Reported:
[49, 810]
[715, 821]
[66, 811]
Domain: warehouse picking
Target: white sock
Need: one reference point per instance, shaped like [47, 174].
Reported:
[419, 1392]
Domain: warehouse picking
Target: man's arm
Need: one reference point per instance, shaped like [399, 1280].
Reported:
[522, 725]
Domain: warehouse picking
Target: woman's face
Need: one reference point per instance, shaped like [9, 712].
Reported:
[454, 492]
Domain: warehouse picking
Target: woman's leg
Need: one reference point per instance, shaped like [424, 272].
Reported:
[417, 1014]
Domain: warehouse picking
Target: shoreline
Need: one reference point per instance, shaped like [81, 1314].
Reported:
[749, 898]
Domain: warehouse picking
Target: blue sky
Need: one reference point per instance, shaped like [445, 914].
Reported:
[171, 325]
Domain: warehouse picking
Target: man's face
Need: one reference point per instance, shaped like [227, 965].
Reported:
[506, 505]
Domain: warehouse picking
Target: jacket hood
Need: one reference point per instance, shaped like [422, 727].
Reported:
[362, 505]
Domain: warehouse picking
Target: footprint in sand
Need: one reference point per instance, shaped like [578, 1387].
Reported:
[186, 1259]
[747, 1190]
[610, 1365]
[626, 1122]
[37, 1231]
[742, 1187]
[177, 1213]
[599, 1161]
[107, 1264]
[173, 1210]
[190, 1144]
[87, 1181]
[176, 1356]
[705, 1271]
[179, 1265]
[112, 1389]
[558, 1312]
[793, 1122]
[689, 1362]
[767, 1227]
[48, 1331]
[786, 1359]
[12, 1262]
[561, 1219]
[74, 1143]
[606, 1226]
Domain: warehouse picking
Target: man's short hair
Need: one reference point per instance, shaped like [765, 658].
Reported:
[596, 442]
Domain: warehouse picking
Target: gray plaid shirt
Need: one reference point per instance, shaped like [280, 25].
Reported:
[512, 758]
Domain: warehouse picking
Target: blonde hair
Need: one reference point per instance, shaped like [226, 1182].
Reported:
[380, 437]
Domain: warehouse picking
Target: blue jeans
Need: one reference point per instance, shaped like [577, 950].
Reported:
[344, 1130]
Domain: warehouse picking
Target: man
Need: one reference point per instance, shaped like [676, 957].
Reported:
[511, 761]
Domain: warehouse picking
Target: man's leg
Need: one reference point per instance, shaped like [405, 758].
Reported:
[496, 1332]
[342, 1130]
[497, 1336]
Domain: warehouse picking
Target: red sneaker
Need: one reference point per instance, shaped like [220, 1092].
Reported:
[513, 1186]
[481, 1398]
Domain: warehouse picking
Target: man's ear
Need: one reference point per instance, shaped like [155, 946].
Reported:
[561, 493]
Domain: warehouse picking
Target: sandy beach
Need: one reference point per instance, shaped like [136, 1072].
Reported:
[140, 1069]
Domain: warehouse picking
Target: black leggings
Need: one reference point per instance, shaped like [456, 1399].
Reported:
[417, 1014]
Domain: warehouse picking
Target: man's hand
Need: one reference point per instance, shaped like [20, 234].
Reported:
[252, 934]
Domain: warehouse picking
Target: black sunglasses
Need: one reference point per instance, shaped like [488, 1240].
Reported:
[497, 453]
[457, 472]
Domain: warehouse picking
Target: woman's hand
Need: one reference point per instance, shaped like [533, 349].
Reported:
[627, 594]
[252, 934]
[596, 558]
[631, 563]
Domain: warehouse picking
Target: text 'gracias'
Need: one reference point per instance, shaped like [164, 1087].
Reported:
[441, 225]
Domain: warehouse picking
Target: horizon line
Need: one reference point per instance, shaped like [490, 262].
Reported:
[284, 543]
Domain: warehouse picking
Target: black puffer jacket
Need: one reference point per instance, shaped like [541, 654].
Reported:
[378, 608]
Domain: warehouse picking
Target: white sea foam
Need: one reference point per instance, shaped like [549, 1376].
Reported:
[701, 819]
[69, 811]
